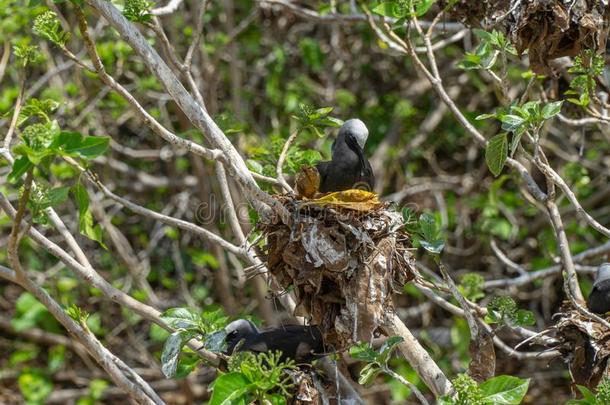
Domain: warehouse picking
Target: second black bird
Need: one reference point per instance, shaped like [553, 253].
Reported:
[301, 343]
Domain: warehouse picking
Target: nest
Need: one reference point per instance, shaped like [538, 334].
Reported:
[546, 29]
[585, 345]
[342, 262]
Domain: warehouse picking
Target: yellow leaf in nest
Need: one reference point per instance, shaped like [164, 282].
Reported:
[358, 200]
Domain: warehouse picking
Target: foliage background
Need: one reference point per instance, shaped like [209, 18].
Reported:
[255, 65]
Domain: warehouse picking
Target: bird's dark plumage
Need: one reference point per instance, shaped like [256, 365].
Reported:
[348, 167]
[599, 299]
[300, 343]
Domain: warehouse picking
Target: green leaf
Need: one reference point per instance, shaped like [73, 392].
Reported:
[215, 342]
[171, 351]
[388, 9]
[504, 390]
[423, 6]
[229, 389]
[485, 116]
[254, 166]
[587, 395]
[484, 35]
[551, 109]
[181, 318]
[330, 122]
[275, 399]
[496, 153]
[320, 112]
[85, 218]
[511, 122]
[55, 197]
[524, 317]
[387, 347]
[20, 166]
[34, 156]
[87, 147]
[515, 141]
[435, 246]
[368, 373]
[363, 351]
[427, 226]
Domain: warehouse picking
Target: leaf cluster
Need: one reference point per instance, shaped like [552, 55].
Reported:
[260, 376]
[138, 10]
[206, 326]
[426, 231]
[516, 120]
[503, 310]
[377, 359]
[403, 9]
[587, 67]
[499, 390]
[47, 26]
[486, 53]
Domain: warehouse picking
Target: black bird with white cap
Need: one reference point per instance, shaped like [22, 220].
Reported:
[599, 299]
[348, 167]
[301, 343]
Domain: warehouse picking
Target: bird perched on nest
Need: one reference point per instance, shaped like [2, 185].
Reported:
[303, 344]
[599, 299]
[348, 167]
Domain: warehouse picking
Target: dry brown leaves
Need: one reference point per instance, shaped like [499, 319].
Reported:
[342, 263]
[545, 29]
[585, 345]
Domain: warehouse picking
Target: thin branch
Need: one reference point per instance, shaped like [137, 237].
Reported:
[418, 358]
[169, 8]
[330, 18]
[15, 118]
[280, 162]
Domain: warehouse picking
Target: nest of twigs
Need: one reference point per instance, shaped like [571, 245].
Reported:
[342, 264]
[546, 29]
[585, 345]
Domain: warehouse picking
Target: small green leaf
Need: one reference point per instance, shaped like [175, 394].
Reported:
[171, 351]
[387, 347]
[423, 6]
[87, 147]
[511, 122]
[85, 218]
[504, 390]
[363, 352]
[56, 196]
[587, 395]
[515, 141]
[496, 153]
[551, 109]
[368, 373]
[254, 166]
[427, 226]
[388, 9]
[20, 166]
[215, 341]
[524, 317]
[230, 389]
[181, 318]
[186, 365]
[435, 246]
[485, 116]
